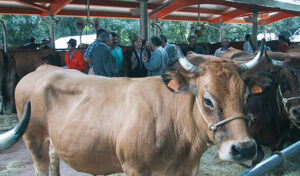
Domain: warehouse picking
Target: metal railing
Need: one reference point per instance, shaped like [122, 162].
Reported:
[274, 161]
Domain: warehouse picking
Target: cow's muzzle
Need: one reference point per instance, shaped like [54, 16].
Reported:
[238, 151]
[243, 151]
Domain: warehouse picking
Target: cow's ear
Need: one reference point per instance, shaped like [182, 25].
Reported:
[260, 82]
[175, 81]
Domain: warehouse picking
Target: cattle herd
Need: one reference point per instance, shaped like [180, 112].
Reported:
[155, 125]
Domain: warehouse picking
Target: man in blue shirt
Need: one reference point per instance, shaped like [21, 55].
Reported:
[117, 53]
[158, 60]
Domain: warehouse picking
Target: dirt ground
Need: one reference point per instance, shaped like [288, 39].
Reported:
[16, 161]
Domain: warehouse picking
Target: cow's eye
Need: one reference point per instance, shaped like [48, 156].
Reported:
[208, 102]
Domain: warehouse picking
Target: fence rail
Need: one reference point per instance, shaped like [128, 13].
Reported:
[274, 161]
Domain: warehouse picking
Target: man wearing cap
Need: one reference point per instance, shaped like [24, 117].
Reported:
[73, 58]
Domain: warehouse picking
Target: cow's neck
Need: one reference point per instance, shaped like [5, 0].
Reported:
[189, 124]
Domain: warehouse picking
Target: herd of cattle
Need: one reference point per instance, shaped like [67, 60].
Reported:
[154, 125]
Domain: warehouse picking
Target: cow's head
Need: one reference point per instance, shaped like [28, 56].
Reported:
[218, 107]
[289, 82]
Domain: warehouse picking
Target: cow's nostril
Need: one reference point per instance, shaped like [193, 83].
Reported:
[236, 153]
[243, 151]
[295, 112]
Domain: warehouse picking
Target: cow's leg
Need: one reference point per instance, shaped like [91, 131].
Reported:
[54, 161]
[10, 89]
[1, 102]
[39, 150]
[1, 94]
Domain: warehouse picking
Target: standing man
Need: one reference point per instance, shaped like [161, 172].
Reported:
[192, 46]
[103, 62]
[117, 53]
[223, 49]
[282, 44]
[247, 46]
[73, 58]
[170, 49]
[158, 60]
[87, 54]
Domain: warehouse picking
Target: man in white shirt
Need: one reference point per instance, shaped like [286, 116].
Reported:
[223, 49]
[247, 46]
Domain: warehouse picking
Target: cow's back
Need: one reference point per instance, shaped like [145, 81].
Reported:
[82, 114]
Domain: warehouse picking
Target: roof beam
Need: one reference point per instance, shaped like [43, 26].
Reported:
[180, 4]
[109, 3]
[73, 13]
[239, 22]
[229, 16]
[19, 11]
[33, 5]
[56, 6]
[270, 3]
[195, 10]
[183, 18]
[278, 17]
[175, 6]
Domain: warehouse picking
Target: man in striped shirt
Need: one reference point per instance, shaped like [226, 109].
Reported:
[87, 54]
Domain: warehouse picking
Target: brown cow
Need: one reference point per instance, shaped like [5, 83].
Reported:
[278, 103]
[140, 126]
[7, 83]
[293, 48]
[27, 62]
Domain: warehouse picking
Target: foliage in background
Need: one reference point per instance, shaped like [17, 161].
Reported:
[21, 28]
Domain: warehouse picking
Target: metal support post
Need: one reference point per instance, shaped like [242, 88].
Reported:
[52, 30]
[156, 21]
[221, 30]
[144, 19]
[254, 26]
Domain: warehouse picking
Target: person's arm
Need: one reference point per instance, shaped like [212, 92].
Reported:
[109, 65]
[217, 52]
[81, 65]
[67, 59]
[122, 58]
[155, 61]
[87, 54]
[173, 56]
[97, 57]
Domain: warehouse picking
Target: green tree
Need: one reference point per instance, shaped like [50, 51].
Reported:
[21, 28]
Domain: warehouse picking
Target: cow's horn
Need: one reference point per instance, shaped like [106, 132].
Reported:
[11, 137]
[187, 65]
[252, 63]
[274, 62]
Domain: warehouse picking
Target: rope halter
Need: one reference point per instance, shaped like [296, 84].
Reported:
[213, 127]
[284, 103]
